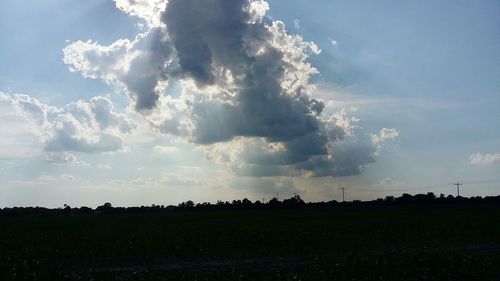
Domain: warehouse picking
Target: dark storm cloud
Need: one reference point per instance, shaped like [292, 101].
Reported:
[206, 34]
[147, 69]
[211, 35]
[347, 159]
[243, 77]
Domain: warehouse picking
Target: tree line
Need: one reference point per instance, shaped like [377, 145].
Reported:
[295, 202]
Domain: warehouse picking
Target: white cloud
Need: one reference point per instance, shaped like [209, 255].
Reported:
[165, 149]
[28, 182]
[162, 181]
[64, 158]
[332, 41]
[83, 126]
[385, 134]
[148, 10]
[484, 159]
[166, 180]
[256, 10]
[296, 24]
[45, 179]
[18, 139]
[4, 97]
[138, 67]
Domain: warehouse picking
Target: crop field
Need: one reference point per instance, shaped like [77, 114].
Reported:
[305, 244]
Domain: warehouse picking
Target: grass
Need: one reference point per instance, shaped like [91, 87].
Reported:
[355, 244]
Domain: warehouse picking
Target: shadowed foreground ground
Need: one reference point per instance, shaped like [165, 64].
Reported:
[341, 244]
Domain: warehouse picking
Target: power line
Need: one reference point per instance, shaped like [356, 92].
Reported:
[433, 186]
[482, 181]
[403, 189]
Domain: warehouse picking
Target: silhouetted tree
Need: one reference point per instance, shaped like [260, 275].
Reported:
[246, 203]
[294, 202]
[187, 205]
[105, 208]
[67, 209]
[274, 203]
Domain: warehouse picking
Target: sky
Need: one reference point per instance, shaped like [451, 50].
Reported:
[148, 102]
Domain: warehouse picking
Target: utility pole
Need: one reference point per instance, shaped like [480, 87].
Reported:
[343, 191]
[278, 196]
[263, 200]
[458, 184]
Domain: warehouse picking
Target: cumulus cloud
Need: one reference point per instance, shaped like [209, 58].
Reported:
[4, 97]
[137, 67]
[245, 92]
[17, 139]
[82, 126]
[385, 134]
[148, 10]
[484, 159]
[304, 157]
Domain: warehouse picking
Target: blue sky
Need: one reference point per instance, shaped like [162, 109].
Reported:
[412, 88]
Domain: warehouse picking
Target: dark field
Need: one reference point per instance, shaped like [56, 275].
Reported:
[336, 244]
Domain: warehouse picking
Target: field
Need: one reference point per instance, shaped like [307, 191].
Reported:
[323, 244]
